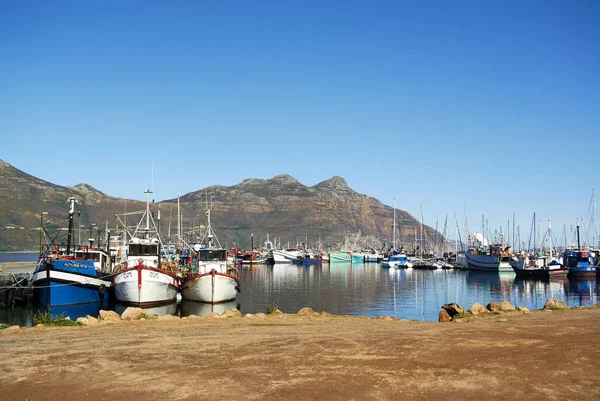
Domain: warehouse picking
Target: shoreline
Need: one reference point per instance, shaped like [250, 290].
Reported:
[539, 354]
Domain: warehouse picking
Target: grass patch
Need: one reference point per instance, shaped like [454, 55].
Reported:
[271, 308]
[3, 326]
[47, 319]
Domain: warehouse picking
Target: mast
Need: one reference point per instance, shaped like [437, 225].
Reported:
[148, 192]
[550, 234]
[422, 243]
[71, 200]
[394, 227]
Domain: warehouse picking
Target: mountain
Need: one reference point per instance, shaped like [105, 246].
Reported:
[281, 206]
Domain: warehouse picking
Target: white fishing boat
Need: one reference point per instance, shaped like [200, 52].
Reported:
[211, 279]
[285, 255]
[143, 280]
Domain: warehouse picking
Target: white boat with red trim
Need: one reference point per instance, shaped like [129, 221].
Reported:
[210, 279]
[143, 280]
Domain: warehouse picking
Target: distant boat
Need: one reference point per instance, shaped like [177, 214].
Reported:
[538, 267]
[579, 262]
[494, 258]
[340, 257]
[143, 280]
[64, 278]
[397, 261]
[211, 280]
[285, 256]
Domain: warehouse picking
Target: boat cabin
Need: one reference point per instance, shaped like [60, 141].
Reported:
[143, 250]
[211, 254]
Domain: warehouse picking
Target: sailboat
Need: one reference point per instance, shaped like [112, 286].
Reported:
[143, 280]
[579, 262]
[211, 280]
[396, 259]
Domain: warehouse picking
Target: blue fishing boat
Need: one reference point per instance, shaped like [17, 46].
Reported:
[62, 278]
[579, 262]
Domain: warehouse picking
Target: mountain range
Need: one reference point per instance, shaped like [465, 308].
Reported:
[282, 207]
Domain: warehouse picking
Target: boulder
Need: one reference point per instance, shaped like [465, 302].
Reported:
[213, 314]
[326, 314]
[91, 320]
[453, 309]
[523, 309]
[168, 317]
[444, 316]
[249, 315]
[305, 311]
[260, 315]
[108, 315]
[83, 320]
[492, 307]
[10, 329]
[553, 303]
[132, 313]
[477, 308]
[505, 306]
[384, 318]
[232, 313]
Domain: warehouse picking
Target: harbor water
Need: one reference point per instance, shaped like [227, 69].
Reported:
[363, 289]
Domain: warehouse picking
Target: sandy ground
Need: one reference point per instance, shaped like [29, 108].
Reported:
[541, 355]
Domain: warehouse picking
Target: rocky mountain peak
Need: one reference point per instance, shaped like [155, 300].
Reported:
[335, 183]
[284, 179]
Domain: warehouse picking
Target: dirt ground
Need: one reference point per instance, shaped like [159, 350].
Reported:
[536, 356]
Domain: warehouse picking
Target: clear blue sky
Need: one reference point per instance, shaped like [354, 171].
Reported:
[490, 105]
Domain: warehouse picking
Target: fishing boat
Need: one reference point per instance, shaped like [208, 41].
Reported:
[579, 262]
[61, 279]
[285, 255]
[210, 280]
[143, 279]
[397, 261]
[492, 258]
[340, 257]
[541, 267]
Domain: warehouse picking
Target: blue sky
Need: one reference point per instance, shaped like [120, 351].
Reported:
[490, 105]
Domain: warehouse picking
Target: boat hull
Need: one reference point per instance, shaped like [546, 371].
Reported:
[488, 263]
[339, 258]
[68, 282]
[145, 287]
[588, 272]
[285, 256]
[212, 287]
[544, 272]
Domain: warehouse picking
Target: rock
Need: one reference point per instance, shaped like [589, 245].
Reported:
[10, 329]
[108, 315]
[168, 317]
[453, 309]
[91, 320]
[232, 313]
[192, 317]
[305, 311]
[477, 308]
[260, 315]
[492, 307]
[522, 309]
[132, 313]
[384, 318]
[326, 314]
[553, 303]
[277, 311]
[212, 314]
[444, 316]
[83, 321]
[249, 315]
[505, 306]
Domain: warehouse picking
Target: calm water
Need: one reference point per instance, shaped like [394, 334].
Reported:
[18, 257]
[367, 289]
